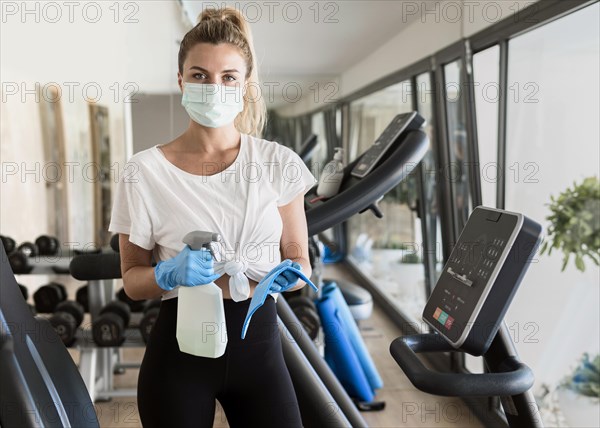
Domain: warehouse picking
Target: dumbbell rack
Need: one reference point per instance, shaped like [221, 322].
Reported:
[96, 364]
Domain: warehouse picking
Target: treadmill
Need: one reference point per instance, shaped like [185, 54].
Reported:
[40, 384]
[308, 148]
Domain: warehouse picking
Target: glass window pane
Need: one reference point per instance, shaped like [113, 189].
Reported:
[431, 244]
[457, 140]
[370, 115]
[486, 73]
[319, 158]
[552, 142]
[388, 249]
[434, 239]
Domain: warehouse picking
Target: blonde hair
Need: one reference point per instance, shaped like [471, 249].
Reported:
[227, 25]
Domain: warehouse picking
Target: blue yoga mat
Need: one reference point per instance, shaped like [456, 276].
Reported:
[338, 349]
[366, 362]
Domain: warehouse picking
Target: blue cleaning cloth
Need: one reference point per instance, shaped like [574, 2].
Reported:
[263, 289]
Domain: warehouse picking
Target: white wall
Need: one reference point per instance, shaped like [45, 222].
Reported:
[131, 47]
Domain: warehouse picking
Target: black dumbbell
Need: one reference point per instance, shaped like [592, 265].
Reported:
[134, 305]
[66, 318]
[305, 310]
[81, 295]
[8, 243]
[48, 296]
[151, 310]
[109, 328]
[19, 263]
[19, 258]
[87, 251]
[114, 243]
[29, 249]
[47, 245]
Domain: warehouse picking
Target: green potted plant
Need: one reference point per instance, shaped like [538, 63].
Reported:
[575, 223]
[575, 230]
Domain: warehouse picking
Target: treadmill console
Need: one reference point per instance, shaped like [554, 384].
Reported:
[391, 134]
[481, 277]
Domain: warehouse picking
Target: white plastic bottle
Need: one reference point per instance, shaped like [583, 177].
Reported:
[332, 175]
[201, 328]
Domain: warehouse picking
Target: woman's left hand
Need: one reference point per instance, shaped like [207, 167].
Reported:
[286, 279]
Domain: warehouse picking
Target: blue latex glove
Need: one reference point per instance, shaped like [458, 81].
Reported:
[286, 274]
[189, 268]
[285, 280]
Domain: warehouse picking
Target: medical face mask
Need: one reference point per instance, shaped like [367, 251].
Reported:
[212, 105]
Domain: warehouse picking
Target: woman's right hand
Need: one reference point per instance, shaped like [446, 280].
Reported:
[189, 268]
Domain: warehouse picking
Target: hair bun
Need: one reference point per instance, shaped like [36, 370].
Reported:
[224, 14]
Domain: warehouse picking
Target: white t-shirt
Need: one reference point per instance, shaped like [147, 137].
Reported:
[157, 204]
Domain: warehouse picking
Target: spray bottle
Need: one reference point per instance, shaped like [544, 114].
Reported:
[332, 175]
[201, 329]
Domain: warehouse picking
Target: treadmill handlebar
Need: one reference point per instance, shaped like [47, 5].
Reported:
[515, 379]
[357, 195]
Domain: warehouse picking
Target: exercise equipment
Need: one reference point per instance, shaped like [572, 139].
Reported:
[359, 300]
[24, 291]
[87, 251]
[109, 328]
[19, 262]
[134, 305]
[323, 401]
[47, 245]
[308, 148]
[355, 195]
[306, 312]
[48, 296]
[66, 319]
[151, 310]
[81, 296]
[41, 380]
[350, 329]
[114, 243]
[8, 243]
[97, 365]
[339, 353]
[301, 301]
[29, 249]
[466, 311]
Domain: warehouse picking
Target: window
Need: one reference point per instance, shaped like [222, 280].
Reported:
[388, 250]
[486, 73]
[458, 169]
[431, 245]
[552, 141]
[319, 158]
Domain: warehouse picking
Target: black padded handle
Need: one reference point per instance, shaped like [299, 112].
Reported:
[90, 267]
[515, 378]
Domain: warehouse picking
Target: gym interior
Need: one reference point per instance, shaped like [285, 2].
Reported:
[456, 214]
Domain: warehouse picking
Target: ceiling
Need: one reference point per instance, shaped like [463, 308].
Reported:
[309, 41]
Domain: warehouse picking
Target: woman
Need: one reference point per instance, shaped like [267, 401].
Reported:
[215, 177]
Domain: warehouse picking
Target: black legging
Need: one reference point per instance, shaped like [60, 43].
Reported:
[250, 380]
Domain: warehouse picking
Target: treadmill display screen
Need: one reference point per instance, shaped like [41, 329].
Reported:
[469, 273]
[401, 123]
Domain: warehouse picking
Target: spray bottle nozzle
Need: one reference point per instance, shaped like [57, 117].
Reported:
[199, 239]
